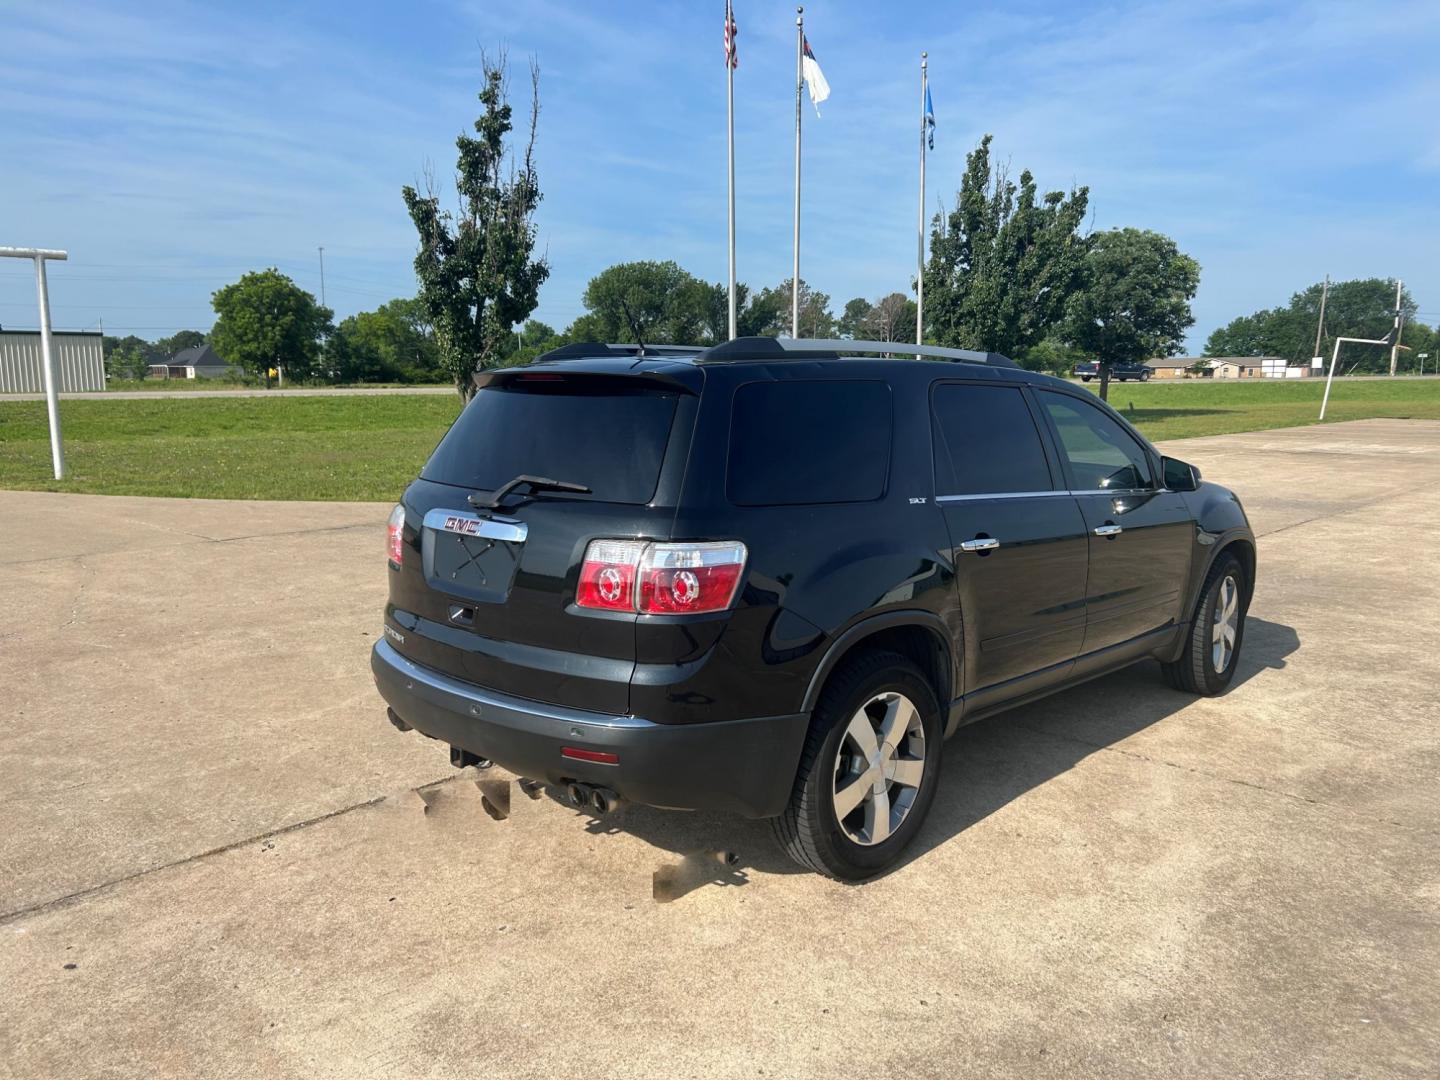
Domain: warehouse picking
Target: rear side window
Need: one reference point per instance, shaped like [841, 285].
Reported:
[986, 442]
[597, 432]
[809, 442]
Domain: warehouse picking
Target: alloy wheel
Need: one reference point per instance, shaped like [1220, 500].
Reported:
[879, 767]
[1226, 624]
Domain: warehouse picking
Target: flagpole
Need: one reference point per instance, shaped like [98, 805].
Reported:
[920, 228]
[730, 118]
[799, 89]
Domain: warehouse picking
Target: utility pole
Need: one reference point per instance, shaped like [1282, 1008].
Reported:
[1320, 324]
[322, 275]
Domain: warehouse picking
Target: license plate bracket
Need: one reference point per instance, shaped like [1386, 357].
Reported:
[470, 556]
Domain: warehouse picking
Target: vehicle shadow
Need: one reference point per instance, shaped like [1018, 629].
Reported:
[987, 765]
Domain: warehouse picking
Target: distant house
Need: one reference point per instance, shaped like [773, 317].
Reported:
[196, 362]
[1170, 367]
[1238, 367]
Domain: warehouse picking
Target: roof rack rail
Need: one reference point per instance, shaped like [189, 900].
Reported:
[582, 349]
[771, 348]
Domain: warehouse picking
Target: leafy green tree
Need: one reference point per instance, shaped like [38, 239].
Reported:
[478, 277]
[853, 317]
[816, 319]
[1004, 261]
[390, 344]
[265, 320]
[1051, 355]
[179, 341]
[1364, 308]
[531, 340]
[129, 357]
[648, 302]
[1134, 302]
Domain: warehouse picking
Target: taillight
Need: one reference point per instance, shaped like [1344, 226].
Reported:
[396, 531]
[660, 579]
[680, 579]
[607, 576]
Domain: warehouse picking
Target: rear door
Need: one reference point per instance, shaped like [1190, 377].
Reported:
[487, 594]
[1018, 537]
[1141, 536]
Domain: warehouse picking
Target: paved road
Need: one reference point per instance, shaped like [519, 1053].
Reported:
[214, 861]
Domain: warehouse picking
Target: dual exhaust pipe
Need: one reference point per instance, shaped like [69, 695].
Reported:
[599, 800]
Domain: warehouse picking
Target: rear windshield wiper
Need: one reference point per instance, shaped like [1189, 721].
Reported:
[534, 483]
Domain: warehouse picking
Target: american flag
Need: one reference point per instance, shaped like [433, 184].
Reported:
[732, 55]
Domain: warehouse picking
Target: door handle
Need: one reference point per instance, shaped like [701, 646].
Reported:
[1108, 529]
[986, 543]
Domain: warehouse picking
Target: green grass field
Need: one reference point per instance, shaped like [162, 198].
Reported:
[370, 447]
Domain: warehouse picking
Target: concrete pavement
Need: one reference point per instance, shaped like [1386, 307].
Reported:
[214, 860]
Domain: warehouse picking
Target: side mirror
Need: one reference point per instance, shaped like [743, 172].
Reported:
[1180, 475]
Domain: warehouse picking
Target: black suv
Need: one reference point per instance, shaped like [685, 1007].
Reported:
[771, 578]
[1121, 372]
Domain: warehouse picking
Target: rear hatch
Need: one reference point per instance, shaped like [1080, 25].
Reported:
[487, 594]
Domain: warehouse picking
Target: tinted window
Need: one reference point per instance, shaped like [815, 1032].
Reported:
[809, 442]
[1102, 454]
[986, 441]
[609, 437]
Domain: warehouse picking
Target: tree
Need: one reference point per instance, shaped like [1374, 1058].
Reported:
[1004, 261]
[648, 302]
[1363, 308]
[1135, 299]
[265, 320]
[129, 357]
[390, 344]
[891, 319]
[477, 276]
[179, 341]
[1052, 355]
[816, 320]
[853, 317]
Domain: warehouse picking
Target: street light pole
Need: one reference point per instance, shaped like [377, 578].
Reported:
[47, 347]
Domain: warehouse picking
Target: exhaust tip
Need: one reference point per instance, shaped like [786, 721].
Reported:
[603, 801]
[394, 718]
[577, 796]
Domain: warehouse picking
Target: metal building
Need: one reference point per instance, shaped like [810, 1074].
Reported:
[79, 361]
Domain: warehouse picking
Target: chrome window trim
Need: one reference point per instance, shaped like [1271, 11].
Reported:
[510, 529]
[1108, 492]
[1000, 495]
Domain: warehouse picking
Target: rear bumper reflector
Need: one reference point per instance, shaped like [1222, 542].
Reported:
[600, 757]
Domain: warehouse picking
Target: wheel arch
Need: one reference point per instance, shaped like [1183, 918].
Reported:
[918, 635]
[1243, 548]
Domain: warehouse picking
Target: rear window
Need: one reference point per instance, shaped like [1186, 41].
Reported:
[809, 442]
[597, 432]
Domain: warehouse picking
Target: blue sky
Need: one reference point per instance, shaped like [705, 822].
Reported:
[171, 147]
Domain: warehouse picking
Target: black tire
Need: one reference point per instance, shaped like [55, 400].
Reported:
[1086, 378]
[809, 830]
[1195, 670]
[1145, 376]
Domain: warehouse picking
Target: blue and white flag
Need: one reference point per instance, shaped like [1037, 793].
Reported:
[929, 117]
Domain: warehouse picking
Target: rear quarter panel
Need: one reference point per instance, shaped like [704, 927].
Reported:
[814, 571]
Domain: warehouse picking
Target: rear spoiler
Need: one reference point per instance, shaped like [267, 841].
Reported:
[660, 380]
